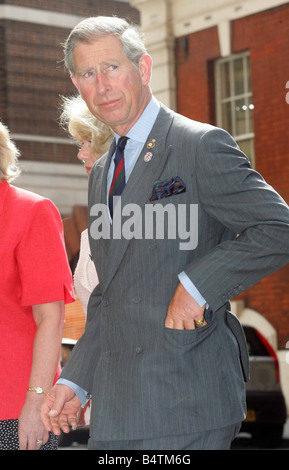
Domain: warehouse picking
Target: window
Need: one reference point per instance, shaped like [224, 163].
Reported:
[234, 103]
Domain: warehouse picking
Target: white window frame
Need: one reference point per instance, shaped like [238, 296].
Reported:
[247, 95]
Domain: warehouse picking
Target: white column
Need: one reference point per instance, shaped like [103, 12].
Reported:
[156, 25]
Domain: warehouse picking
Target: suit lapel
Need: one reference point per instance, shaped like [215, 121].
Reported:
[140, 184]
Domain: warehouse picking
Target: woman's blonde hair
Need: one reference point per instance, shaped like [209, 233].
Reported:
[9, 154]
[78, 121]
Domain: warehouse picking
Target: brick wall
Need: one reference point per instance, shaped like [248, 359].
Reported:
[81, 8]
[34, 83]
[194, 77]
[265, 35]
[32, 77]
[3, 94]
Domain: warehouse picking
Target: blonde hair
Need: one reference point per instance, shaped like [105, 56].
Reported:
[80, 123]
[8, 155]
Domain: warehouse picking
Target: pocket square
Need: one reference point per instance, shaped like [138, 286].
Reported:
[167, 188]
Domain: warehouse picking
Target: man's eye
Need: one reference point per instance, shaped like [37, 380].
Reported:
[87, 74]
[110, 68]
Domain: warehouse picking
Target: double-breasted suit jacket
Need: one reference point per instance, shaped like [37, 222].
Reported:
[147, 380]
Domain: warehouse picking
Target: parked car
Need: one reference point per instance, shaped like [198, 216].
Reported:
[81, 434]
[266, 407]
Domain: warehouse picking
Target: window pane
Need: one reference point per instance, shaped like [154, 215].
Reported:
[251, 107]
[248, 72]
[247, 147]
[227, 117]
[225, 80]
[240, 112]
[234, 102]
[238, 76]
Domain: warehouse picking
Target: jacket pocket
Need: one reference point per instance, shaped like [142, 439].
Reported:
[190, 338]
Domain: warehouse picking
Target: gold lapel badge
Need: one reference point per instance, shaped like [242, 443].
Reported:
[151, 144]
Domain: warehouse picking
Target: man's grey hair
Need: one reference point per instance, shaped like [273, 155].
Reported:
[95, 27]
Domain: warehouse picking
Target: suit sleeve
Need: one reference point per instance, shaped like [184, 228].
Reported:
[239, 198]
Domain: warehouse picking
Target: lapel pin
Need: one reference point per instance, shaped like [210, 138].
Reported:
[148, 157]
[151, 144]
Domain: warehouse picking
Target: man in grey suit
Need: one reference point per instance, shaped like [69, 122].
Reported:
[162, 358]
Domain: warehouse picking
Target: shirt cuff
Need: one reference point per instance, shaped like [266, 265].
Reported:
[191, 289]
[82, 395]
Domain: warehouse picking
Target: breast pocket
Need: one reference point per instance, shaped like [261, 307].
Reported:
[173, 218]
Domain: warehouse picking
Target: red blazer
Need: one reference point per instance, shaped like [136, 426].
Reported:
[33, 269]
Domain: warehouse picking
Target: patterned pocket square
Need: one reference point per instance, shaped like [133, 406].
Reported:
[168, 188]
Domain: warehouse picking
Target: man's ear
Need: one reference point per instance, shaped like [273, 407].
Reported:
[145, 68]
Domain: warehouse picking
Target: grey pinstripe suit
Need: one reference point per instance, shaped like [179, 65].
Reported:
[147, 380]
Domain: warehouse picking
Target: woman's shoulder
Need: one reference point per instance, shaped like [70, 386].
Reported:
[28, 200]
[25, 196]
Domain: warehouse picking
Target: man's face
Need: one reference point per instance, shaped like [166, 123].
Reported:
[113, 89]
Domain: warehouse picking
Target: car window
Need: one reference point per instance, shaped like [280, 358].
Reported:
[254, 343]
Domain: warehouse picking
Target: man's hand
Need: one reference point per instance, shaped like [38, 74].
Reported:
[60, 409]
[183, 311]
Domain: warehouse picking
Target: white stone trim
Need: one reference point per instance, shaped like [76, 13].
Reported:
[42, 138]
[65, 184]
[191, 16]
[35, 15]
[224, 33]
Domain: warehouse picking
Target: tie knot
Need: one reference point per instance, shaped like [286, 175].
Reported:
[122, 142]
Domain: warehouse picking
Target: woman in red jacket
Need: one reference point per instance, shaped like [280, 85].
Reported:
[35, 283]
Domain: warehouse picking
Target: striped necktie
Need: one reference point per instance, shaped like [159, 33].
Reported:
[118, 181]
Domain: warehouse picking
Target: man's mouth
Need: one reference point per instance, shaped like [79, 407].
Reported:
[108, 104]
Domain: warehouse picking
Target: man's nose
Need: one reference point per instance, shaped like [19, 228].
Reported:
[102, 83]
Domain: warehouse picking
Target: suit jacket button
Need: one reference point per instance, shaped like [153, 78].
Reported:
[139, 349]
[107, 352]
[136, 299]
[152, 245]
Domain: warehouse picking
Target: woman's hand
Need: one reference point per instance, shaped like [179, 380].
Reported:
[31, 432]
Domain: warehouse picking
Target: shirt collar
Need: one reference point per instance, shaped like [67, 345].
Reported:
[144, 125]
